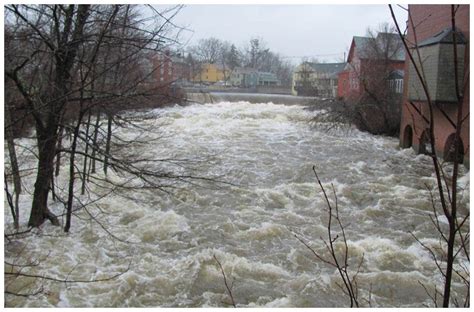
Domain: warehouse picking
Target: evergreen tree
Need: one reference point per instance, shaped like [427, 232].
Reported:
[233, 58]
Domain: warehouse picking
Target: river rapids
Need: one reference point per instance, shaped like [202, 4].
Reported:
[164, 244]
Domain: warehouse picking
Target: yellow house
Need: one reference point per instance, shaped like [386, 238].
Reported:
[211, 73]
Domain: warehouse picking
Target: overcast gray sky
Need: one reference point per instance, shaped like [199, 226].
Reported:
[321, 31]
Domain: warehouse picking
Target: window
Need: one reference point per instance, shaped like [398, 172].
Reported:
[395, 85]
[399, 86]
[407, 137]
[353, 83]
[450, 148]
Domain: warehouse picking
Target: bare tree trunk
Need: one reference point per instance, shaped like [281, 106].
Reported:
[84, 169]
[14, 164]
[60, 143]
[58, 156]
[72, 172]
[46, 152]
[117, 68]
[53, 192]
[47, 132]
[9, 200]
[457, 139]
[94, 142]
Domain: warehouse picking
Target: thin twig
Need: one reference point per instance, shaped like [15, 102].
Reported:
[229, 289]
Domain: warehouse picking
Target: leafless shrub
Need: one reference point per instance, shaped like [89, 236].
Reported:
[335, 259]
[228, 288]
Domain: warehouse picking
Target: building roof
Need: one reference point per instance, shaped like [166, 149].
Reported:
[362, 46]
[267, 76]
[266, 73]
[361, 43]
[250, 71]
[444, 36]
[217, 66]
[329, 68]
[244, 70]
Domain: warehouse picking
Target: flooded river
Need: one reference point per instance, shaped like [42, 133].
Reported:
[266, 151]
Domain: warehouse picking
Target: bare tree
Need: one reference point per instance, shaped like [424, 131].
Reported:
[233, 57]
[255, 52]
[195, 66]
[60, 46]
[283, 70]
[208, 50]
[303, 81]
[102, 78]
[340, 261]
[223, 53]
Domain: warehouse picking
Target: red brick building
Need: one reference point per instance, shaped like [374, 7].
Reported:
[170, 68]
[434, 39]
[367, 58]
[343, 84]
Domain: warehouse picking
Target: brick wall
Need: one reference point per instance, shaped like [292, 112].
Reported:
[343, 84]
[431, 19]
[163, 67]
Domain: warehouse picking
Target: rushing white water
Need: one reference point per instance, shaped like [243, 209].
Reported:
[267, 150]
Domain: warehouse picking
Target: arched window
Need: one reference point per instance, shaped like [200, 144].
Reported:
[449, 149]
[425, 146]
[407, 139]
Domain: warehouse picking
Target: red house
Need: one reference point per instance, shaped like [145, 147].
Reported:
[170, 68]
[366, 56]
[434, 42]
